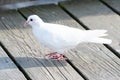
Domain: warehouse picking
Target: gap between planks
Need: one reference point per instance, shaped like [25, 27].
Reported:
[87, 28]
[77, 70]
[110, 7]
[15, 62]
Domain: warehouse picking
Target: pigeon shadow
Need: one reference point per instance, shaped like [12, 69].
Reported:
[30, 62]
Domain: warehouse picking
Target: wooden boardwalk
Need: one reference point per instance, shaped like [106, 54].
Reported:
[22, 58]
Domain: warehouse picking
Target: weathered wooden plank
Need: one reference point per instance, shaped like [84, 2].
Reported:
[94, 61]
[96, 15]
[115, 4]
[8, 70]
[28, 53]
[3, 2]
[16, 4]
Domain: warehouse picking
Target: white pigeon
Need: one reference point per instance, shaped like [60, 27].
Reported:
[60, 38]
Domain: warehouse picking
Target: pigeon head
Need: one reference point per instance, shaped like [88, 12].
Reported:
[33, 20]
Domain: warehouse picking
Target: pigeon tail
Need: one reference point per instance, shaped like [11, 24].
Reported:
[101, 40]
[95, 36]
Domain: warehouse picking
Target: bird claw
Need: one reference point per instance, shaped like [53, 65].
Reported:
[56, 56]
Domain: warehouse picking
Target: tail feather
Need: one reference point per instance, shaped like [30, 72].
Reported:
[101, 40]
[97, 33]
[95, 36]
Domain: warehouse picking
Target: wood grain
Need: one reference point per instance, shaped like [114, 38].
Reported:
[28, 53]
[8, 70]
[94, 60]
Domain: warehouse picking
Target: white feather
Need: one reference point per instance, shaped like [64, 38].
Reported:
[60, 37]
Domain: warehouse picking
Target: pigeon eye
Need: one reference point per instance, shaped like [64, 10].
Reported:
[31, 19]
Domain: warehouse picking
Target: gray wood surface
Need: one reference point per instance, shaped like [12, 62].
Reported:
[28, 53]
[115, 4]
[3, 2]
[16, 4]
[94, 60]
[8, 70]
[96, 15]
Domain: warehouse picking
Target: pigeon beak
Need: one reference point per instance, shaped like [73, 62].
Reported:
[26, 23]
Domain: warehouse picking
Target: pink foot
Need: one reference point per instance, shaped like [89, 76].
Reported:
[50, 54]
[56, 56]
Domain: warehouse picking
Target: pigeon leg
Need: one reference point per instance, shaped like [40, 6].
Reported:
[59, 57]
[56, 56]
